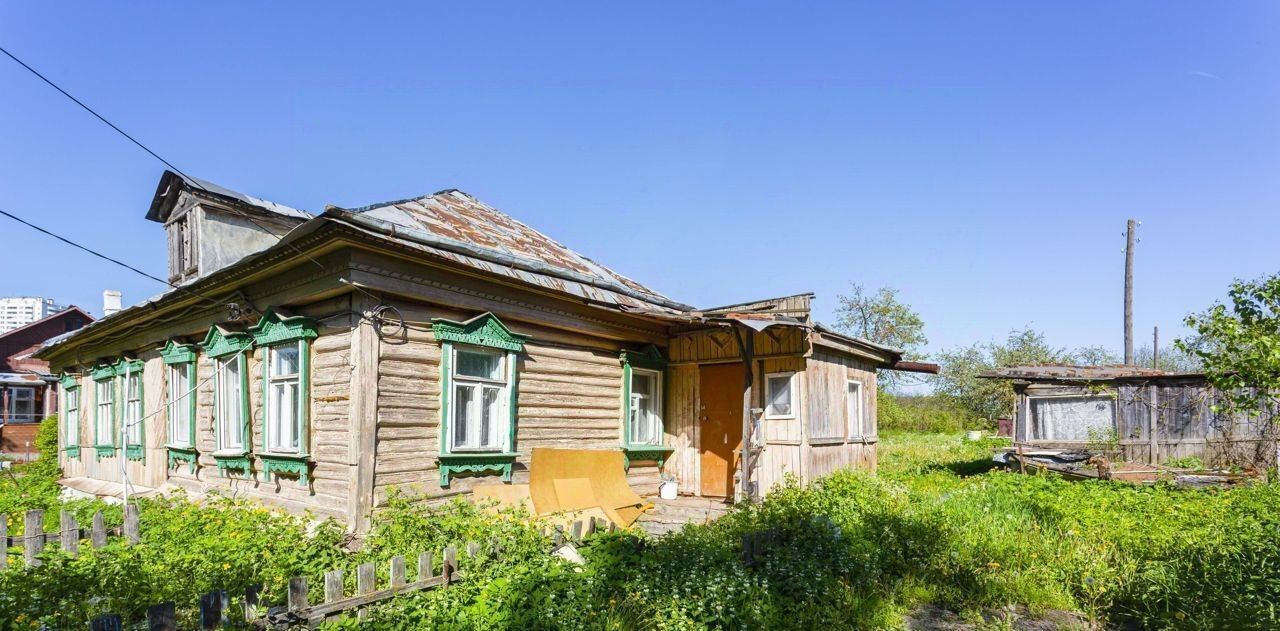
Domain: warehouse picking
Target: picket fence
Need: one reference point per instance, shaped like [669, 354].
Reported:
[217, 608]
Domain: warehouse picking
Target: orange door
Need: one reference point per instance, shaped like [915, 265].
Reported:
[720, 393]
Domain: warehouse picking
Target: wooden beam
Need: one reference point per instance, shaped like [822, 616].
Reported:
[363, 422]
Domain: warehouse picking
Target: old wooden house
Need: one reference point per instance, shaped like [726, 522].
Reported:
[429, 344]
[26, 387]
[1151, 416]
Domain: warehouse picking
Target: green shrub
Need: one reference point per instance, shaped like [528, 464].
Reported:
[1185, 462]
[924, 414]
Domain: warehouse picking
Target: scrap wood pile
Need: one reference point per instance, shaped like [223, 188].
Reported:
[568, 485]
[1088, 465]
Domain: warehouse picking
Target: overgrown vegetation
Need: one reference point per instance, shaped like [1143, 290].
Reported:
[937, 526]
[923, 414]
[1239, 344]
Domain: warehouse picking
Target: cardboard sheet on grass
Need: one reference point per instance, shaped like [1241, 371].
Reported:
[566, 485]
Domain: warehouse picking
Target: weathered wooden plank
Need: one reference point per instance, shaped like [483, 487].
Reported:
[98, 536]
[297, 593]
[252, 602]
[33, 537]
[365, 581]
[131, 533]
[70, 534]
[450, 563]
[4, 541]
[109, 622]
[359, 600]
[333, 586]
[213, 609]
[426, 567]
[162, 617]
[577, 530]
[397, 572]
[365, 351]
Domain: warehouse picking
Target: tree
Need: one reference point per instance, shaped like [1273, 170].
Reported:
[991, 398]
[883, 319]
[1239, 343]
[1170, 359]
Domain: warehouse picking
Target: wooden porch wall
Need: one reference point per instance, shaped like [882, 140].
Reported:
[570, 396]
[827, 376]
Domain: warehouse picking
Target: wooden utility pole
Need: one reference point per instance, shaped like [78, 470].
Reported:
[1130, 239]
[1155, 349]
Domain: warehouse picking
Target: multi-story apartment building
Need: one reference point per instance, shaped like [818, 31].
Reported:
[22, 310]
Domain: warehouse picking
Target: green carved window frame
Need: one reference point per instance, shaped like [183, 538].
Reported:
[181, 357]
[271, 333]
[649, 360]
[104, 375]
[221, 345]
[126, 369]
[70, 385]
[484, 331]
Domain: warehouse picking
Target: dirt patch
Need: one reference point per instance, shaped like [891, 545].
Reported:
[935, 618]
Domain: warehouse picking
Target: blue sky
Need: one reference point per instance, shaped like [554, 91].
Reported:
[980, 157]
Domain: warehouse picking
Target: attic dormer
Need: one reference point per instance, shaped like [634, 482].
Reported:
[210, 227]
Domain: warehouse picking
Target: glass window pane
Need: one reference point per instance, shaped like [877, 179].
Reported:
[284, 360]
[489, 418]
[780, 395]
[479, 365]
[854, 404]
[464, 397]
[641, 383]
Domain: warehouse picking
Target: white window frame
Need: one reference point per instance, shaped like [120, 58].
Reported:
[71, 412]
[501, 429]
[30, 397]
[659, 427]
[179, 407]
[768, 394]
[225, 398]
[104, 406]
[273, 426]
[855, 410]
[133, 407]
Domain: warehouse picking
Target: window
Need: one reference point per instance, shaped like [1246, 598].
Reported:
[1072, 418]
[646, 407]
[133, 407]
[182, 247]
[179, 402]
[480, 399]
[229, 403]
[853, 403]
[22, 405]
[103, 421]
[71, 412]
[284, 397]
[778, 395]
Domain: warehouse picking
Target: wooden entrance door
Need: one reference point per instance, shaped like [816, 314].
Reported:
[720, 395]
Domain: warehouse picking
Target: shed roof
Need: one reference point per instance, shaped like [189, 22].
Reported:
[172, 183]
[1072, 372]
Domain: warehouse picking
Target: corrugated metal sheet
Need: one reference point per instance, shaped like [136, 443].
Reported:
[458, 227]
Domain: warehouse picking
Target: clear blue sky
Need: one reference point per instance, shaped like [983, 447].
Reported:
[980, 157]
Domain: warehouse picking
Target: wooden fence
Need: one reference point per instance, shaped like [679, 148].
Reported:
[34, 538]
[217, 608]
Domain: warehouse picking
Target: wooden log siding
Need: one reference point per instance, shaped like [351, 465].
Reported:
[569, 396]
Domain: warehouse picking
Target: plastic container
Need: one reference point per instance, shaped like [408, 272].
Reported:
[667, 489]
[973, 435]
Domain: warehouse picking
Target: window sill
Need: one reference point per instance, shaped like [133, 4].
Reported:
[135, 452]
[73, 451]
[296, 465]
[643, 453]
[179, 453]
[229, 461]
[105, 451]
[475, 462]
[831, 441]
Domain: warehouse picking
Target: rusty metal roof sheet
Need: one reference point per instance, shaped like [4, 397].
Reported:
[457, 226]
[1072, 372]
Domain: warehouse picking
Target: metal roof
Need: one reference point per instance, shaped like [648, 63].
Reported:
[457, 226]
[167, 194]
[1071, 372]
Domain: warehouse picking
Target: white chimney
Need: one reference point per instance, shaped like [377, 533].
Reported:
[110, 302]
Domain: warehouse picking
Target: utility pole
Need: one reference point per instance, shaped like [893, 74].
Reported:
[1131, 234]
[1155, 349]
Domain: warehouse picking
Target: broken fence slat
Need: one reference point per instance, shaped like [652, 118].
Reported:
[70, 534]
[473, 549]
[425, 566]
[397, 572]
[213, 609]
[33, 537]
[4, 541]
[577, 530]
[109, 622]
[162, 617]
[366, 580]
[332, 585]
[297, 593]
[252, 601]
[98, 536]
[131, 533]
[450, 564]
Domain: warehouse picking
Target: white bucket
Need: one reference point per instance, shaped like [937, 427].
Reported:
[667, 490]
[973, 435]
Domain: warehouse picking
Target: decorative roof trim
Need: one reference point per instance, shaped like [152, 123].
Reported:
[483, 330]
[177, 353]
[220, 342]
[274, 328]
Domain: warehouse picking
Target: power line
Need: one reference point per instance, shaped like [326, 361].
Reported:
[102, 256]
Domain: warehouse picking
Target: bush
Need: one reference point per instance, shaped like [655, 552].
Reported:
[924, 414]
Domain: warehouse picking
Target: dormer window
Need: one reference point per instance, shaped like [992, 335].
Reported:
[182, 248]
